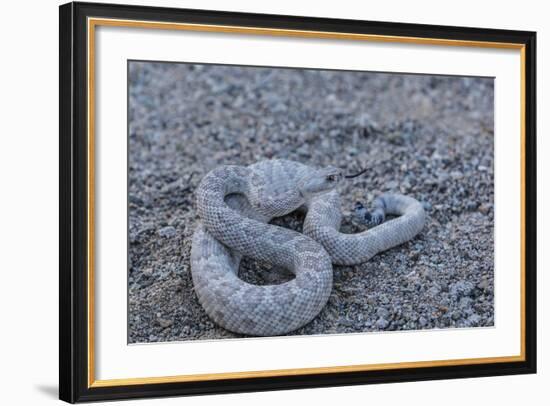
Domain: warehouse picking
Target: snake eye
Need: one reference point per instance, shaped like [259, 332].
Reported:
[331, 178]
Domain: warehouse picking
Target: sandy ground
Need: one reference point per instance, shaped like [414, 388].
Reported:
[430, 137]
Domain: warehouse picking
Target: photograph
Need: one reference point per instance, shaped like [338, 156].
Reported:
[254, 201]
[285, 201]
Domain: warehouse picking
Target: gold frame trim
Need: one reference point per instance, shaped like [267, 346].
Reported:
[94, 22]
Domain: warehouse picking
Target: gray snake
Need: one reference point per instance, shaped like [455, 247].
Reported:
[235, 204]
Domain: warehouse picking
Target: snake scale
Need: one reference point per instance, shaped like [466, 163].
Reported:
[235, 204]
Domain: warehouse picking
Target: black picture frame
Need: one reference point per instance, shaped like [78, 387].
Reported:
[74, 385]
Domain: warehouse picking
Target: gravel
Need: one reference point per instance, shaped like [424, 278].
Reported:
[430, 137]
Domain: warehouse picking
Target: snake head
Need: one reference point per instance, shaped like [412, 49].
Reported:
[320, 181]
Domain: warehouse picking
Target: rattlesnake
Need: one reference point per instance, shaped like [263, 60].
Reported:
[235, 204]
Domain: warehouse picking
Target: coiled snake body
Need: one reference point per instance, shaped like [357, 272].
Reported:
[235, 203]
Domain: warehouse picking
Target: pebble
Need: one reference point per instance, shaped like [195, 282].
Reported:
[381, 323]
[462, 288]
[484, 208]
[164, 323]
[382, 313]
[167, 232]
[484, 284]
[392, 184]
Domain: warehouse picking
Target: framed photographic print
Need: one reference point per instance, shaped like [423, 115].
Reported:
[255, 202]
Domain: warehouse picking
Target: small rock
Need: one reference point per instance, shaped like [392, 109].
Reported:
[145, 283]
[135, 200]
[465, 302]
[164, 323]
[382, 312]
[303, 151]
[462, 288]
[392, 184]
[167, 232]
[433, 291]
[347, 323]
[474, 320]
[395, 138]
[484, 284]
[471, 206]
[367, 124]
[484, 208]
[456, 175]
[381, 323]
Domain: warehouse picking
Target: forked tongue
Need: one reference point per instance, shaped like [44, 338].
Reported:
[355, 175]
